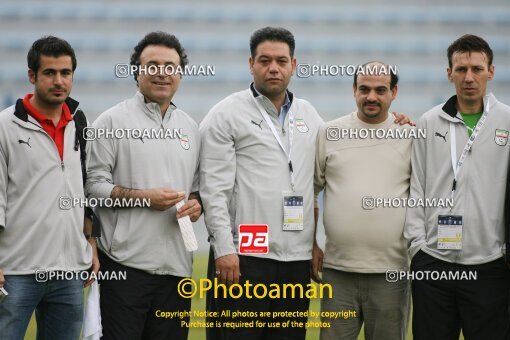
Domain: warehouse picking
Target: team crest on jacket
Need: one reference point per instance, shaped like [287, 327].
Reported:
[184, 142]
[301, 125]
[501, 137]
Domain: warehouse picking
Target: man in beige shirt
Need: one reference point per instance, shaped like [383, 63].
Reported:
[364, 159]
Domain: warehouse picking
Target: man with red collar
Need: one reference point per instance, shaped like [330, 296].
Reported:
[40, 163]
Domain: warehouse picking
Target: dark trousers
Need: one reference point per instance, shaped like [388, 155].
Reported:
[441, 308]
[129, 307]
[267, 272]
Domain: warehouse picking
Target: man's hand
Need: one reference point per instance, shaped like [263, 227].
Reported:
[160, 198]
[163, 198]
[402, 119]
[95, 263]
[316, 265]
[227, 269]
[191, 208]
[2, 278]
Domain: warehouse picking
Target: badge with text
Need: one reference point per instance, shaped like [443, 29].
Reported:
[449, 232]
[292, 211]
[253, 239]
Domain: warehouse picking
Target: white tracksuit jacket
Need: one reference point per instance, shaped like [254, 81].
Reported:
[243, 172]
[480, 190]
[35, 233]
[141, 237]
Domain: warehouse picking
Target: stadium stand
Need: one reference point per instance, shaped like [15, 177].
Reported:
[412, 35]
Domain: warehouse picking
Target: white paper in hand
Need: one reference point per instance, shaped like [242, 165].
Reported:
[188, 235]
[92, 329]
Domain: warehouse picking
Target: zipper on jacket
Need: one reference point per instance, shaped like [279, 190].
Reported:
[167, 253]
[65, 192]
[65, 231]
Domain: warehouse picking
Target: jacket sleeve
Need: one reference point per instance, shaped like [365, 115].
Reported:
[507, 218]
[88, 211]
[3, 186]
[320, 163]
[320, 122]
[217, 178]
[414, 230]
[195, 186]
[100, 163]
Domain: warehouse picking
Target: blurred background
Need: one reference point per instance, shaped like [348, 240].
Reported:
[411, 34]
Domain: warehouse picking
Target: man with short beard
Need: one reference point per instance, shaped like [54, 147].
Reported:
[362, 244]
[40, 163]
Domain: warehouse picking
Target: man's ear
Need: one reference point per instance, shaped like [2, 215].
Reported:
[491, 72]
[32, 77]
[394, 92]
[449, 73]
[251, 62]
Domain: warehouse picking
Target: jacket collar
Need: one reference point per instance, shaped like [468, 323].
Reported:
[266, 103]
[450, 112]
[26, 120]
[151, 109]
[450, 107]
[21, 113]
[256, 94]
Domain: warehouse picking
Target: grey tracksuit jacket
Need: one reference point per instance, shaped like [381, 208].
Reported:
[144, 238]
[243, 172]
[480, 189]
[35, 234]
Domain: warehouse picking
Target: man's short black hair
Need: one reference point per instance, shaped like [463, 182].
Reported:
[278, 34]
[469, 43]
[162, 39]
[49, 46]
[388, 69]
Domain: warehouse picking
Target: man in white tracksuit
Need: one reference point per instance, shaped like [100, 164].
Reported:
[146, 242]
[465, 157]
[44, 251]
[257, 153]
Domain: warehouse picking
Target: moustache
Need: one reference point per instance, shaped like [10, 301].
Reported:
[371, 103]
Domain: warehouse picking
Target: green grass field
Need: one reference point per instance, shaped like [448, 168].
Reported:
[199, 271]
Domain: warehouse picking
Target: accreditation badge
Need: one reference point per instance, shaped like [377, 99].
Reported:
[449, 232]
[292, 211]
